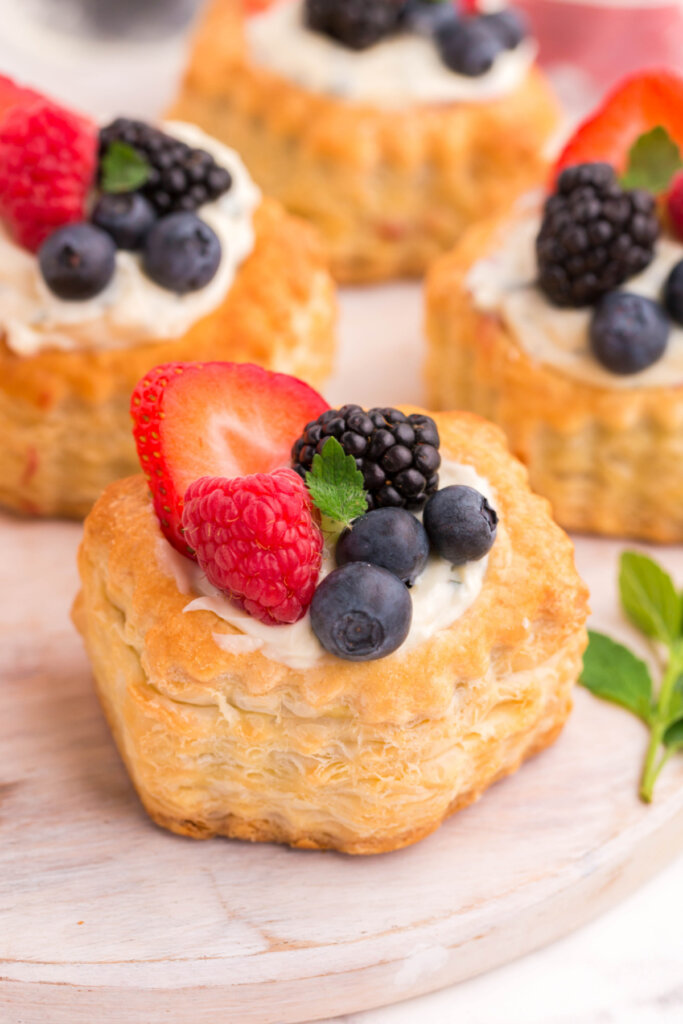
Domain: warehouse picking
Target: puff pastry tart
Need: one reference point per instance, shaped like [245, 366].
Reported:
[121, 247]
[385, 123]
[339, 663]
[564, 323]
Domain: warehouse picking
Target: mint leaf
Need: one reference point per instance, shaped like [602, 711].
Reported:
[336, 484]
[676, 700]
[123, 169]
[649, 597]
[653, 160]
[673, 737]
[612, 672]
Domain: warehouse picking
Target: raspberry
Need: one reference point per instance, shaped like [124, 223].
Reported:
[47, 164]
[255, 538]
[674, 202]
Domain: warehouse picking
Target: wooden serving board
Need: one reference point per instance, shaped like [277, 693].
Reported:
[105, 917]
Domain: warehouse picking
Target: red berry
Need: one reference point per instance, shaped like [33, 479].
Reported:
[256, 539]
[13, 95]
[674, 202]
[641, 102]
[47, 164]
[214, 419]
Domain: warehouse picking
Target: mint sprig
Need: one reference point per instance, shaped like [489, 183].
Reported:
[653, 160]
[336, 484]
[611, 671]
[123, 168]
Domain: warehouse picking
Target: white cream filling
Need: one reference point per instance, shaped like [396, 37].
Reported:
[132, 309]
[403, 69]
[504, 283]
[440, 595]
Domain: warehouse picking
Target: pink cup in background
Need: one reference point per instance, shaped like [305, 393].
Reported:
[588, 45]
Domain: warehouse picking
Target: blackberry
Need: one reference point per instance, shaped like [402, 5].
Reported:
[398, 455]
[594, 235]
[181, 178]
[357, 24]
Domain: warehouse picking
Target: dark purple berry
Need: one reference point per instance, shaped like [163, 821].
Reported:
[361, 612]
[628, 332]
[77, 261]
[181, 253]
[126, 216]
[460, 524]
[390, 537]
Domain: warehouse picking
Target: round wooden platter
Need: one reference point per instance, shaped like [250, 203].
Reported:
[106, 917]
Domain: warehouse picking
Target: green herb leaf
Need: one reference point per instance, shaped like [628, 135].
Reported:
[123, 168]
[612, 672]
[673, 737]
[676, 700]
[653, 160]
[336, 484]
[649, 597]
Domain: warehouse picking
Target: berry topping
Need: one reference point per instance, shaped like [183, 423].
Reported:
[361, 612]
[357, 24]
[674, 202]
[641, 102]
[673, 293]
[181, 253]
[509, 25]
[178, 176]
[192, 420]
[126, 216]
[469, 46]
[426, 17]
[628, 332]
[77, 261]
[255, 538]
[594, 235]
[390, 537]
[397, 454]
[47, 164]
[460, 524]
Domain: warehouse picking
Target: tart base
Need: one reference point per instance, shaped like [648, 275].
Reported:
[388, 189]
[64, 416]
[609, 460]
[357, 757]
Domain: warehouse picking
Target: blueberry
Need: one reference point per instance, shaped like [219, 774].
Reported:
[628, 332]
[673, 293]
[460, 524]
[508, 25]
[77, 261]
[181, 253]
[469, 46]
[126, 216]
[426, 17]
[361, 612]
[390, 537]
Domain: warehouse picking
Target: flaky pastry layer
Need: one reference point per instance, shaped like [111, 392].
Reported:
[389, 189]
[358, 757]
[609, 460]
[64, 416]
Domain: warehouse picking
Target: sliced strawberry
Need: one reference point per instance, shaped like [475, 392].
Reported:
[13, 95]
[641, 102]
[193, 420]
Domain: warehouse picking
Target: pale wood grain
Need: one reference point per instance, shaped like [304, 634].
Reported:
[104, 917]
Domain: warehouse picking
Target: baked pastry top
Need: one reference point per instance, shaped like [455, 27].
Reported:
[358, 756]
